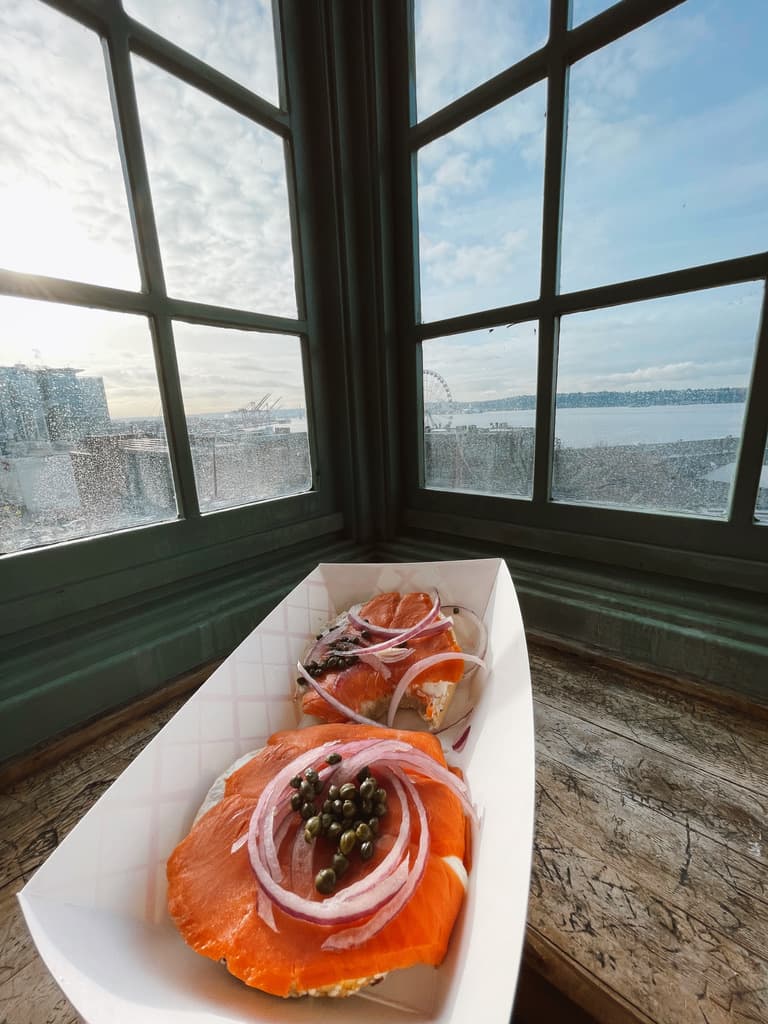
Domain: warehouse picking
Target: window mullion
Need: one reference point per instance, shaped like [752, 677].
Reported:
[139, 201]
[550, 250]
[749, 462]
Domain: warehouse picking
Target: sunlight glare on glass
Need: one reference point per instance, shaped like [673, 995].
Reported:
[63, 205]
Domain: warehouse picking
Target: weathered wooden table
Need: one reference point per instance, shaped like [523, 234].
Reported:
[649, 889]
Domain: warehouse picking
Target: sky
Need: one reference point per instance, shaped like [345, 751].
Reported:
[666, 167]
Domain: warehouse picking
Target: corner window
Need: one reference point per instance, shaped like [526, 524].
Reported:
[153, 352]
[590, 221]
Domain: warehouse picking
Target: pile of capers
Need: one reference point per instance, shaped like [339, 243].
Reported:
[348, 817]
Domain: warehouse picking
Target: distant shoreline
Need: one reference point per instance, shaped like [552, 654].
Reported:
[609, 399]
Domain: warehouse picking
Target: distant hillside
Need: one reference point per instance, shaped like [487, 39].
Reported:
[602, 399]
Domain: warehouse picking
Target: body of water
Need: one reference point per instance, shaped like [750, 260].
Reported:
[623, 424]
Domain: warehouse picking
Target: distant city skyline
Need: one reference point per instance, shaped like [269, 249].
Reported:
[666, 163]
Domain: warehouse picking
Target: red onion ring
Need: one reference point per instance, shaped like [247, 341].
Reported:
[399, 638]
[379, 895]
[357, 936]
[415, 671]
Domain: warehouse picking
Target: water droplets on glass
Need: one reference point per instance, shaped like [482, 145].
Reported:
[479, 405]
[650, 401]
[246, 414]
[83, 449]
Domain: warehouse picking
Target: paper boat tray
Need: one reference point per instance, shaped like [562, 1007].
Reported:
[96, 908]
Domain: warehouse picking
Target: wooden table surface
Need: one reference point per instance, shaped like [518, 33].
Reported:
[649, 888]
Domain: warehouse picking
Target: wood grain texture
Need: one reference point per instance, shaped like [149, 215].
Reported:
[728, 744]
[649, 888]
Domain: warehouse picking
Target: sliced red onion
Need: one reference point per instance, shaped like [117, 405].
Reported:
[399, 638]
[458, 746]
[375, 662]
[265, 909]
[452, 725]
[385, 884]
[397, 753]
[357, 936]
[334, 702]
[415, 671]
[482, 632]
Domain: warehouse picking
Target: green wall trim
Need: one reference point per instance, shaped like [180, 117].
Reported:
[717, 635]
[47, 689]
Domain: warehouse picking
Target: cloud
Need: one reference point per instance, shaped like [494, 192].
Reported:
[460, 45]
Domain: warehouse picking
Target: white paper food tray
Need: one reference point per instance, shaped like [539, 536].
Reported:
[96, 908]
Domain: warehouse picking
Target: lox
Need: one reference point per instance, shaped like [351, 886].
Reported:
[218, 902]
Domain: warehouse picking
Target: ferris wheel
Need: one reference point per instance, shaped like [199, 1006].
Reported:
[437, 400]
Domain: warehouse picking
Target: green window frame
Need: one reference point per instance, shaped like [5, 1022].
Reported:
[731, 551]
[92, 623]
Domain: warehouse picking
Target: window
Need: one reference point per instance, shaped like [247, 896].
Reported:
[587, 318]
[153, 355]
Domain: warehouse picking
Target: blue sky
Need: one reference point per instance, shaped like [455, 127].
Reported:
[667, 166]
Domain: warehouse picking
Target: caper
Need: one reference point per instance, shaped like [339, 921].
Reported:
[363, 832]
[373, 825]
[347, 841]
[296, 801]
[325, 880]
[340, 864]
[333, 758]
[380, 795]
[295, 782]
[307, 790]
[363, 774]
[366, 850]
[327, 806]
[368, 789]
[311, 776]
[348, 791]
[308, 810]
[334, 830]
[337, 808]
[326, 820]
[366, 806]
[333, 792]
[349, 809]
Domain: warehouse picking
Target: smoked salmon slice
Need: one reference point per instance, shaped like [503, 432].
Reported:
[213, 892]
[367, 688]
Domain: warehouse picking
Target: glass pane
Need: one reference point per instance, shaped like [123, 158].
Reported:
[650, 401]
[479, 393]
[237, 38]
[460, 45]
[221, 199]
[668, 146]
[761, 506]
[480, 194]
[583, 10]
[82, 441]
[246, 414]
[63, 207]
